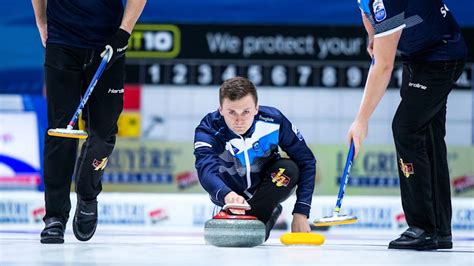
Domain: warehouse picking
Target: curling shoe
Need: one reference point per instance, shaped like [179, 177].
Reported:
[85, 219]
[415, 238]
[273, 218]
[53, 232]
[445, 242]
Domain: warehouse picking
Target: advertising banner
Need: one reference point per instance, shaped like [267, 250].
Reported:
[137, 166]
[156, 166]
[174, 211]
[19, 151]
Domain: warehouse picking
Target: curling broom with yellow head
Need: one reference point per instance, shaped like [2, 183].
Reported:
[69, 131]
[336, 217]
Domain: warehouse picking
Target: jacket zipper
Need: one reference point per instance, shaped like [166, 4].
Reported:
[247, 166]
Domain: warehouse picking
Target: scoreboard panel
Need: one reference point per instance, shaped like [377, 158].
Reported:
[279, 56]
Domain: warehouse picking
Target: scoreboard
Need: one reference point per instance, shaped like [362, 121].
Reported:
[279, 56]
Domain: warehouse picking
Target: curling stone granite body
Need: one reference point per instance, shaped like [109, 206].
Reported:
[234, 233]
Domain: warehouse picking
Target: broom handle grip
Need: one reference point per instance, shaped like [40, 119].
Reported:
[344, 178]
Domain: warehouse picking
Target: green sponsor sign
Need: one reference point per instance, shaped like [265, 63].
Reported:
[375, 170]
[151, 166]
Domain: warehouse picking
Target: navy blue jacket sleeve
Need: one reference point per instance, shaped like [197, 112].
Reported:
[388, 16]
[292, 142]
[207, 166]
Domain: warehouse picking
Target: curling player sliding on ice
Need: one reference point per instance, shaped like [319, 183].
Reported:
[237, 158]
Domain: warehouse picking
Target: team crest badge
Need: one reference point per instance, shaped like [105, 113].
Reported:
[379, 10]
[100, 164]
[256, 146]
[407, 168]
[279, 178]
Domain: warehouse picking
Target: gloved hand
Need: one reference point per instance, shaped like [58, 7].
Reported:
[119, 44]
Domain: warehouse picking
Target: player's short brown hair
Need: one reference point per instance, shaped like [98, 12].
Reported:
[237, 88]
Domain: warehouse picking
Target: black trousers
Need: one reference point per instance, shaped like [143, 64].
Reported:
[419, 128]
[278, 183]
[68, 72]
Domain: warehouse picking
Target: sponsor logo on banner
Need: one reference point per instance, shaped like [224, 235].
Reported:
[463, 184]
[124, 213]
[141, 164]
[154, 41]
[38, 214]
[463, 218]
[12, 211]
[371, 169]
[367, 217]
[400, 220]
[157, 215]
[187, 179]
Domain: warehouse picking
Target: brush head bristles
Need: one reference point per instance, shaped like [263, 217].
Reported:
[67, 133]
[335, 220]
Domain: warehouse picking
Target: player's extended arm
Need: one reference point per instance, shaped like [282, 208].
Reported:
[119, 41]
[39, 7]
[370, 34]
[385, 48]
[133, 10]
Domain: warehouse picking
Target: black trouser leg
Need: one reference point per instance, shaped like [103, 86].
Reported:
[277, 185]
[437, 154]
[424, 92]
[101, 115]
[63, 77]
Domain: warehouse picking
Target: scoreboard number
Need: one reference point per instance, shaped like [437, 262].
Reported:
[180, 71]
[280, 74]
[329, 76]
[254, 74]
[154, 71]
[204, 74]
[354, 77]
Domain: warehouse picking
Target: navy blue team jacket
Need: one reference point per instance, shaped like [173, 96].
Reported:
[228, 162]
[430, 32]
[83, 23]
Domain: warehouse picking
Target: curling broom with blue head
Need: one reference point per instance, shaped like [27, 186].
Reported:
[337, 218]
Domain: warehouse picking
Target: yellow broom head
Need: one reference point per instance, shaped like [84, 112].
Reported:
[67, 133]
[335, 220]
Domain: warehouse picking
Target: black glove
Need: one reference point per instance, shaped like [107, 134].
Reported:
[119, 44]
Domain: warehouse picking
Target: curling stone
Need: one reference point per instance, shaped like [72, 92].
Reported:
[229, 230]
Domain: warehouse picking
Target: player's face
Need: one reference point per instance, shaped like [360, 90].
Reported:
[239, 114]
